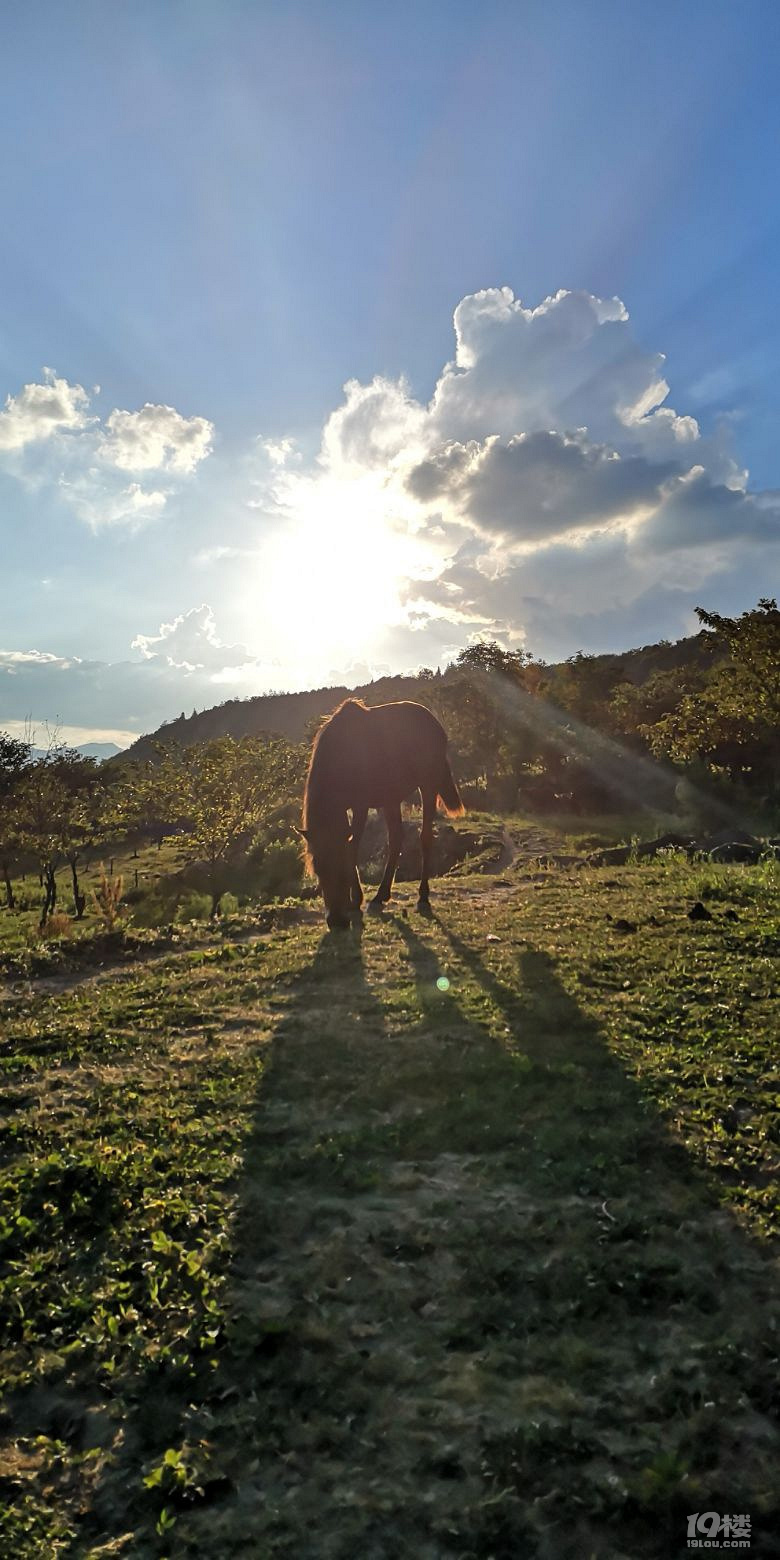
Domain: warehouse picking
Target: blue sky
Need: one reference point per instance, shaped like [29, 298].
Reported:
[226, 212]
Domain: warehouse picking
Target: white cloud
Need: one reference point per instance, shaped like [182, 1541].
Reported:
[40, 410]
[570, 363]
[11, 661]
[191, 643]
[156, 438]
[91, 463]
[39, 731]
[278, 451]
[378, 426]
[101, 505]
[184, 665]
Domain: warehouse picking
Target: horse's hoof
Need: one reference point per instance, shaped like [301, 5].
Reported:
[376, 906]
[338, 924]
[424, 907]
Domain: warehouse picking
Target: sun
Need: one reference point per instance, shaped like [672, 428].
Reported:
[330, 580]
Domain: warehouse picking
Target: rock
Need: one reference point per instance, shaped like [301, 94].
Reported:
[664, 842]
[622, 925]
[728, 836]
[736, 850]
[699, 912]
[730, 915]
[615, 857]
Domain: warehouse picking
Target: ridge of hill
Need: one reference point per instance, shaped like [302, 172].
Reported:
[290, 714]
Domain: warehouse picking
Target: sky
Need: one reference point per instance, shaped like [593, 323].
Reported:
[336, 337]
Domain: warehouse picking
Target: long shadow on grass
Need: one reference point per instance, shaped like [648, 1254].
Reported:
[480, 1303]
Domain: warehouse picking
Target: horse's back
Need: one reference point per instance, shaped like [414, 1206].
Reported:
[405, 748]
[405, 719]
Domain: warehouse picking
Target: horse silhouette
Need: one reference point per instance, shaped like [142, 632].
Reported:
[372, 757]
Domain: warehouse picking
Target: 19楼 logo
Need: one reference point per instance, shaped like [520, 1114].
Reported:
[708, 1530]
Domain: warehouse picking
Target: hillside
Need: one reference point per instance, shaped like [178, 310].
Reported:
[290, 714]
[446, 1237]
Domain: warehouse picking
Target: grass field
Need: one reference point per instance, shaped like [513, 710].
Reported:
[449, 1237]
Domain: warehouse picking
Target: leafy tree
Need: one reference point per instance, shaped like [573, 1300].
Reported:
[58, 798]
[732, 722]
[15, 756]
[491, 657]
[216, 794]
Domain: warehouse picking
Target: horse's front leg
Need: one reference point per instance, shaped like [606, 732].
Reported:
[395, 834]
[359, 815]
[426, 848]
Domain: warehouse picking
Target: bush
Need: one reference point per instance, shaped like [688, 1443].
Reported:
[194, 906]
[280, 873]
[157, 906]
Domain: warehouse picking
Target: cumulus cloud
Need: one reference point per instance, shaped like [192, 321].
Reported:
[156, 438]
[569, 363]
[191, 642]
[49, 440]
[548, 462]
[40, 410]
[539, 484]
[378, 425]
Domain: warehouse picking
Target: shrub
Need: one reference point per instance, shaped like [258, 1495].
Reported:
[194, 907]
[280, 873]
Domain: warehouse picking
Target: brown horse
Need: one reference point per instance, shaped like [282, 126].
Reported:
[365, 758]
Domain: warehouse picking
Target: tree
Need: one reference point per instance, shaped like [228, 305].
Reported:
[216, 794]
[732, 722]
[15, 756]
[489, 656]
[58, 799]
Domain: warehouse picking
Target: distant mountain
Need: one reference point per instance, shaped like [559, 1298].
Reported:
[292, 715]
[99, 750]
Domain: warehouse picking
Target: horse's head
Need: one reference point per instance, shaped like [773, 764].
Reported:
[329, 857]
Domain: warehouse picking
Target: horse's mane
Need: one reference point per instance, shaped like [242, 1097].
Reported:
[318, 777]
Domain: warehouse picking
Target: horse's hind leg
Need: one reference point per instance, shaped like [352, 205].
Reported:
[395, 834]
[359, 815]
[426, 847]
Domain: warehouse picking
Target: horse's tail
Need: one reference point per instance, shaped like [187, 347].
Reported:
[449, 795]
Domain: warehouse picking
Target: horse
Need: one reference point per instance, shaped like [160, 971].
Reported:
[372, 757]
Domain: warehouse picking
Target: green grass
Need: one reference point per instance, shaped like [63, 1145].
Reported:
[305, 1256]
[149, 865]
